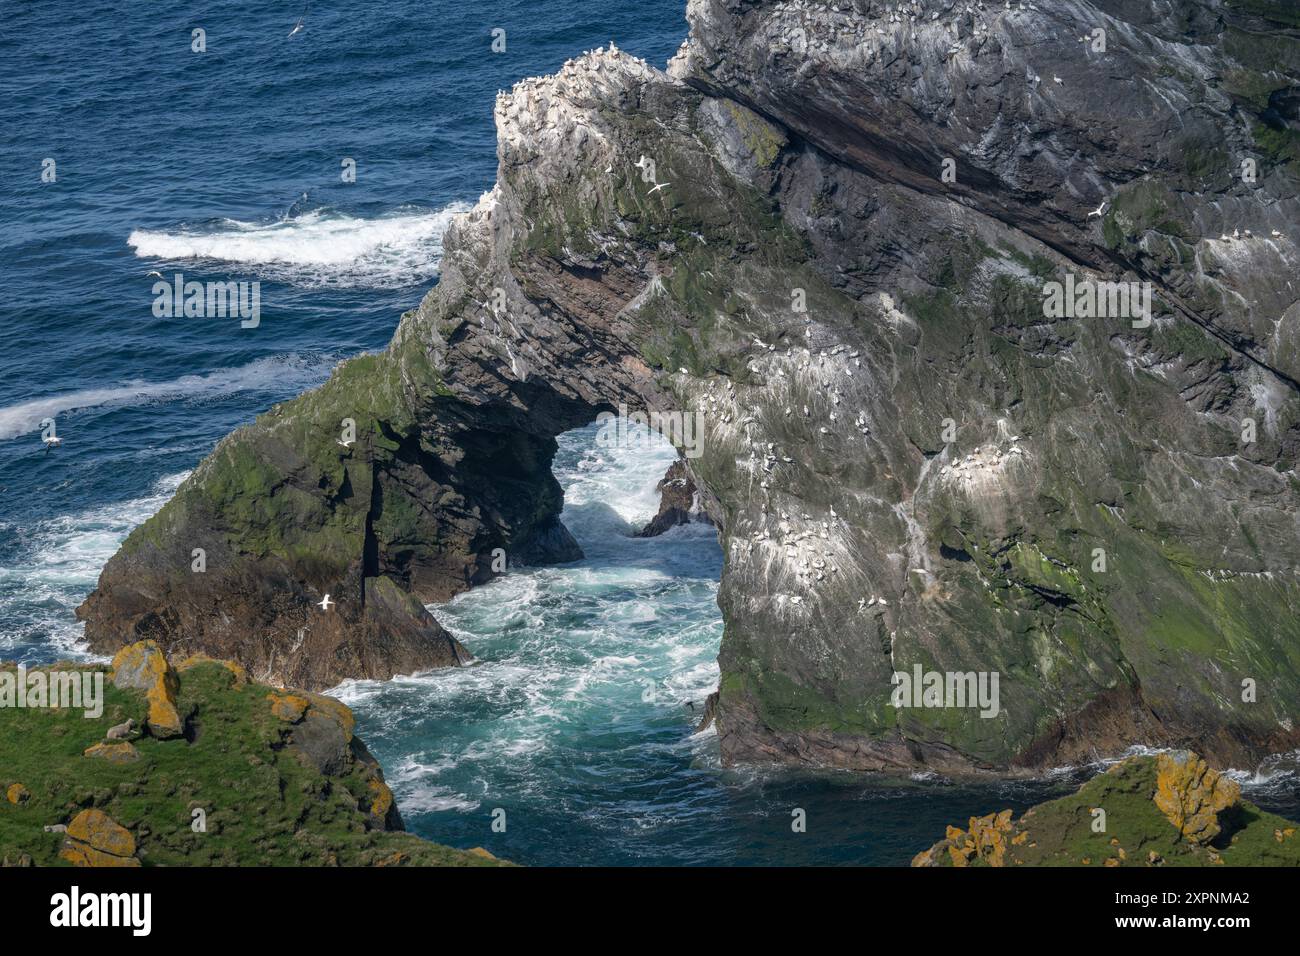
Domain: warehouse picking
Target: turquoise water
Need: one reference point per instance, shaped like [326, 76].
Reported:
[577, 720]
[224, 165]
[576, 717]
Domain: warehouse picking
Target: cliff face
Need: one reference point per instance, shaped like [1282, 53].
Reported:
[911, 459]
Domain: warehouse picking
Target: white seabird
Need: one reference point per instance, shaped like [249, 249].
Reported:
[302, 21]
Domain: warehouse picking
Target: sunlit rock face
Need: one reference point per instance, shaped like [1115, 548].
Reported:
[886, 253]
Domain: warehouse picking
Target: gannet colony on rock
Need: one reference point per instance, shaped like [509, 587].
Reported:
[909, 463]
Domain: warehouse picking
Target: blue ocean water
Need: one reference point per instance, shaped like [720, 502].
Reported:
[221, 165]
[226, 164]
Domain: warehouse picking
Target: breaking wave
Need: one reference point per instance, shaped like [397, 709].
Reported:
[61, 568]
[315, 249]
[280, 372]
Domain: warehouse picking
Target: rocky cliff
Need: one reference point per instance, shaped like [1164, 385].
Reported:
[194, 764]
[1164, 810]
[833, 232]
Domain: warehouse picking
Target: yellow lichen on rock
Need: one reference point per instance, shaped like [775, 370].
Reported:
[164, 718]
[288, 707]
[924, 858]
[17, 793]
[99, 830]
[336, 710]
[1191, 795]
[985, 840]
[142, 666]
[78, 854]
[381, 799]
[96, 839]
[123, 752]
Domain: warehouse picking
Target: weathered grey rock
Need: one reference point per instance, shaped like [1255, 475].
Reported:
[678, 502]
[921, 469]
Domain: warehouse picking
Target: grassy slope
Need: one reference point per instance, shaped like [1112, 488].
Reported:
[264, 805]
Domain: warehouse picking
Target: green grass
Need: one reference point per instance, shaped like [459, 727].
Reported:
[1060, 832]
[264, 804]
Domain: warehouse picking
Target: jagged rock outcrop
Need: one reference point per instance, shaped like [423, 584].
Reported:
[284, 514]
[1166, 810]
[142, 666]
[678, 502]
[1192, 796]
[913, 460]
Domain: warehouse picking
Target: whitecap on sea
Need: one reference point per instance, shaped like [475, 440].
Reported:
[291, 371]
[315, 249]
[63, 564]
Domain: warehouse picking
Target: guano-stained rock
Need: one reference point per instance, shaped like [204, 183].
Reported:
[911, 461]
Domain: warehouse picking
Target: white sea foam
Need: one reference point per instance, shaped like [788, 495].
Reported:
[315, 249]
[1278, 773]
[64, 562]
[622, 478]
[290, 372]
[412, 779]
